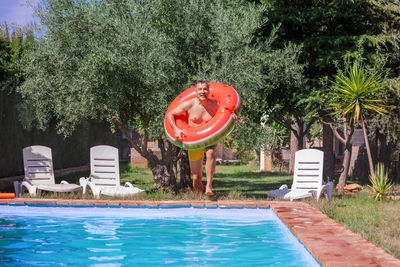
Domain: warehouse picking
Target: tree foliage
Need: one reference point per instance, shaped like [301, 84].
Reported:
[329, 33]
[330, 30]
[92, 55]
[357, 92]
[14, 42]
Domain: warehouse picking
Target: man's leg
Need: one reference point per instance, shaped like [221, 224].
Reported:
[210, 168]
[196, 167]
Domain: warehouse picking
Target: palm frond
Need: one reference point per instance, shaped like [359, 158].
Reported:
[355, 91]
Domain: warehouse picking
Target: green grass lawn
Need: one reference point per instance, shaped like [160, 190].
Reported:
[376, 221]
[230, 182]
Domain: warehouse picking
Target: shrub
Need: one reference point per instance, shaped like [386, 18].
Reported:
[381, 183]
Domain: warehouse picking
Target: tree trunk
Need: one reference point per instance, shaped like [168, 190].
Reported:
[296, 142]
[164, 169]
[384, 151]
[329, 157]
[346, 140]
[164, 175]
[297, 128]
[293, 149]
[371, 164]
[346, 165]
[184, 170]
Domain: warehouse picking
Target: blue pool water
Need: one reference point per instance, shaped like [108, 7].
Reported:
[87, 236]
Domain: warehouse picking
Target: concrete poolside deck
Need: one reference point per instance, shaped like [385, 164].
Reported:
[329, 242]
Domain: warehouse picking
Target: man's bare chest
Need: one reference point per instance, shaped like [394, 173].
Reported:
[199, 114]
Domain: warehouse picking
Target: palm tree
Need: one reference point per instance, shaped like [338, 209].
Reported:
[356, 93]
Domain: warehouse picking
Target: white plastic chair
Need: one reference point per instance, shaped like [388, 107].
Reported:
[307, 177]
[104, 176]
[39, 173]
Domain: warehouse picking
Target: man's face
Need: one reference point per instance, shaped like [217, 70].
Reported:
[202, 91]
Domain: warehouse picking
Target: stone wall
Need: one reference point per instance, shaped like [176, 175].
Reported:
[138, 161]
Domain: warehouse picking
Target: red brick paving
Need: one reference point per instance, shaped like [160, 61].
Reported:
[329, 242]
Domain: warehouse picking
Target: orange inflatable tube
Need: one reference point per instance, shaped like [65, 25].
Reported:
[214, 130]
[7, 195]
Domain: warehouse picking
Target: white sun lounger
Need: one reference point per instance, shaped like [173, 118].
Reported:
[39, 173]
[307, 177]
[104, 176]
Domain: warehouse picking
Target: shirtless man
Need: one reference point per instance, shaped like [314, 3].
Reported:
[200, 110]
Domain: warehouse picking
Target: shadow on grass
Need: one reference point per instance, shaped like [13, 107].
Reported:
[249, 184]
[72, 178]
[250, 174]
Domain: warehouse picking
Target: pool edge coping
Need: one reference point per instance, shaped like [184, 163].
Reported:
[331, 243]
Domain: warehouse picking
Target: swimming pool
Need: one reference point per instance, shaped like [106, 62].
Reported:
[104, 236]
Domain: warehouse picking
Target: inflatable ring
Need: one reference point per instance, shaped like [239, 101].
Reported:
[215, 129]
[7, 195]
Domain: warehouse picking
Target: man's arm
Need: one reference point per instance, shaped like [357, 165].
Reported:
[185, 106]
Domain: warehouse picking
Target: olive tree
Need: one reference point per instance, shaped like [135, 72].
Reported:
[124, 61]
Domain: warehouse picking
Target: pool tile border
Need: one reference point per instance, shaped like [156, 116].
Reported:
[332, 244]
